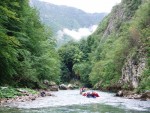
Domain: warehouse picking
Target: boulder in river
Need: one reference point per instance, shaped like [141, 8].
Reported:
[63, 87]
[54, 88]
[145, 95]
[43, 94]
[119, 93]
[70, 86]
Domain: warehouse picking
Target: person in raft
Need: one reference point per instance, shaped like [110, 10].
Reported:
[82, 90]
[91, 95]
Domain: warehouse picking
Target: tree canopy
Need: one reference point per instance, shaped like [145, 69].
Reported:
[27, 53]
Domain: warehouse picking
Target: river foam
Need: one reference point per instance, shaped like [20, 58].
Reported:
[72, 97]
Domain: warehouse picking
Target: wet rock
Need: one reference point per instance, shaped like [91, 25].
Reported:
[54, 88]
[119, 93]
[70, 86]
[128, 94]
[43, 94]
[46, 82]
[145, 95]
[137, 96]
[63, 87]
[48, 94]
[52, 83]
[134, 96]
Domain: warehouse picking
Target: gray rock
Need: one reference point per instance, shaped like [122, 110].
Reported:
[52, 83]
[133, 69]
[146, 95]
[63, 87]
[46, 82]
[119, 93]
[54, 88]
[70, 86]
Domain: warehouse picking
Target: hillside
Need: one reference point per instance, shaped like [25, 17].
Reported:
[122, 53]
[117, 55]
[59, 17]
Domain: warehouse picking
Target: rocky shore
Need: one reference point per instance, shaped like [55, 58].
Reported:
[26, 97]
[132, 95]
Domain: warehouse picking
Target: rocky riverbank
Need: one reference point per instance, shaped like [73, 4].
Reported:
[132, 95]
[10, 95]
[25, 96]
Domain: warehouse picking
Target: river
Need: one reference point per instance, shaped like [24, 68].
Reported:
[70, 101]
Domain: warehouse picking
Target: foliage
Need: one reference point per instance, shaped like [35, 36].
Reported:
[82, 70]
[141, 23]
[70, 54]
[27, 53]
[9, 92]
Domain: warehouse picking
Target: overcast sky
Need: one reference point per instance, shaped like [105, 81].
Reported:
[91, 6]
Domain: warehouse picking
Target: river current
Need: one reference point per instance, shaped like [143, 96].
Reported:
[70, 101]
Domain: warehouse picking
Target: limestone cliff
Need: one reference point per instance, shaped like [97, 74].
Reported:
[133, 69]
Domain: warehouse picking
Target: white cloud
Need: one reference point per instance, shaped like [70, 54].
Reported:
[90, 6]
[77, 34]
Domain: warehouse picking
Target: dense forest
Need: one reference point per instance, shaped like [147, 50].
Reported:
[27, 54]
[116, 55]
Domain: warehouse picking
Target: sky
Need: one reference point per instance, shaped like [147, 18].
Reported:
[90, 6]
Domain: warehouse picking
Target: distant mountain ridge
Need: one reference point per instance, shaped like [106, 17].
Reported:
[59, 16]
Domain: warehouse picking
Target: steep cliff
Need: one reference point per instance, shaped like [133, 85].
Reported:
[121, 48]
[133, 69]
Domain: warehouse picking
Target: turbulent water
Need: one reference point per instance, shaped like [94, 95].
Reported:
[70, 101]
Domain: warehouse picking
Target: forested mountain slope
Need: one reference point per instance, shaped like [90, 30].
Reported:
[121, 56]
[27, 53]
[59, 17]
[117, 55]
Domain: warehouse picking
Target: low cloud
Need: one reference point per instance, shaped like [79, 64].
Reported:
[77, 34]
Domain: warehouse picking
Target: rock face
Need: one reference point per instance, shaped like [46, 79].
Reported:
[119, 15]
[133, 69]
